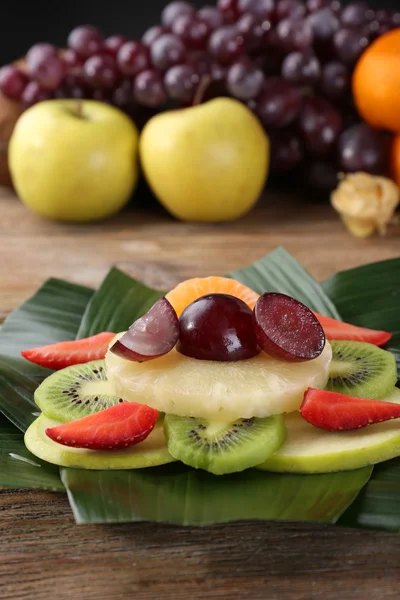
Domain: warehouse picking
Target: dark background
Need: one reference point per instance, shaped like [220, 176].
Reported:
[25, 23]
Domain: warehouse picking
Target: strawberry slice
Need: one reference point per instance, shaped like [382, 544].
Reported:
[338, 330]
[338, 412]
[65, 354]
[120, 426]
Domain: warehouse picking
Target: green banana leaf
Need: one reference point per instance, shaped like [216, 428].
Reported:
[182, 496]
[369, 296]
[63, 311]
[53, 314]
[19, 468]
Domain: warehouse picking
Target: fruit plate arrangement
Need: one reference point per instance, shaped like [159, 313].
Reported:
[174, 493]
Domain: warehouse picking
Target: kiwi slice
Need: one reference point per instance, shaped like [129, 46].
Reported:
[76, 392]
[223, 447]
[151, 452]
[361, 369]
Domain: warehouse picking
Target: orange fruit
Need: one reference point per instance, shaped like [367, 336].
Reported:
[188, 291]
[376, 82]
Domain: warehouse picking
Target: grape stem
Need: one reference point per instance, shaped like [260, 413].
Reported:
[201, 90]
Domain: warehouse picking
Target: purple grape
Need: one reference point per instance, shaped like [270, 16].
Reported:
[12, 82]
[321, 125]
[86, 41]
[71, 60]
[286, 151]
[132, 58]
[357, 14]
[294, 34]
[335, 80]
[193, 31]
[174, 10]
[229, 10]
[181, 82]
[100, 71]
[212, 16]
[226, 44]
[122, 96]
[33, 94]
[279, 104]
[289, 9]
[324, 24]
[149, 90]
[201, 63]
[301, 68]
[244, 80]
[152, 34]
[45, 66]
[114, 43]
[362, 148]
[349, 45]
[262, 9]
[254, 32]
[314, 5]
[218, 72]
[167, 51]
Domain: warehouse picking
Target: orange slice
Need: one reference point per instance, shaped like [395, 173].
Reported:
[188, 291]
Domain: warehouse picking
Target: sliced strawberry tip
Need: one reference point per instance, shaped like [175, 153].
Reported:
[338, 412]
[75, 352]
[338, 330]
[115, 428]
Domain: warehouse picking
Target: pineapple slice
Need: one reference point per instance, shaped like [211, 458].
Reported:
[256, 387]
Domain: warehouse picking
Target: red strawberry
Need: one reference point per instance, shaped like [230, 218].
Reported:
[337, 412]
[65, 354]
[120, 426]
[337, 330]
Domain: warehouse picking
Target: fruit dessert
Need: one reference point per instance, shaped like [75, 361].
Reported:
[221, 379]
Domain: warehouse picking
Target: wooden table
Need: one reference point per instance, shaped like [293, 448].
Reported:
[45, 556]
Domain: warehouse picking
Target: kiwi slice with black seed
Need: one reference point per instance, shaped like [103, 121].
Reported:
[361, 369]
[223, 447]
[76, 392]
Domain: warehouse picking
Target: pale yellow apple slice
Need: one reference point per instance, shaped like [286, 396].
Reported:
[151, 452]
[311, 450]
[179, 385]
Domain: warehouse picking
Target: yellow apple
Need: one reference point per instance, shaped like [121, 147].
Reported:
[74, 160]
[208, 162]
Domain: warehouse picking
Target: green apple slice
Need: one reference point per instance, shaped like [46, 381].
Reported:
[311, 450]
[151, 452]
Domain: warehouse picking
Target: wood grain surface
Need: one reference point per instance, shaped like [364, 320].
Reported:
[45, 556]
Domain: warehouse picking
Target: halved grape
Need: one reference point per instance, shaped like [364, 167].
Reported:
[286, 329]
[217, 327]
[151, 336]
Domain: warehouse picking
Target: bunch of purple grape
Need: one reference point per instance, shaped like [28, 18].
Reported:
[290, 62]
